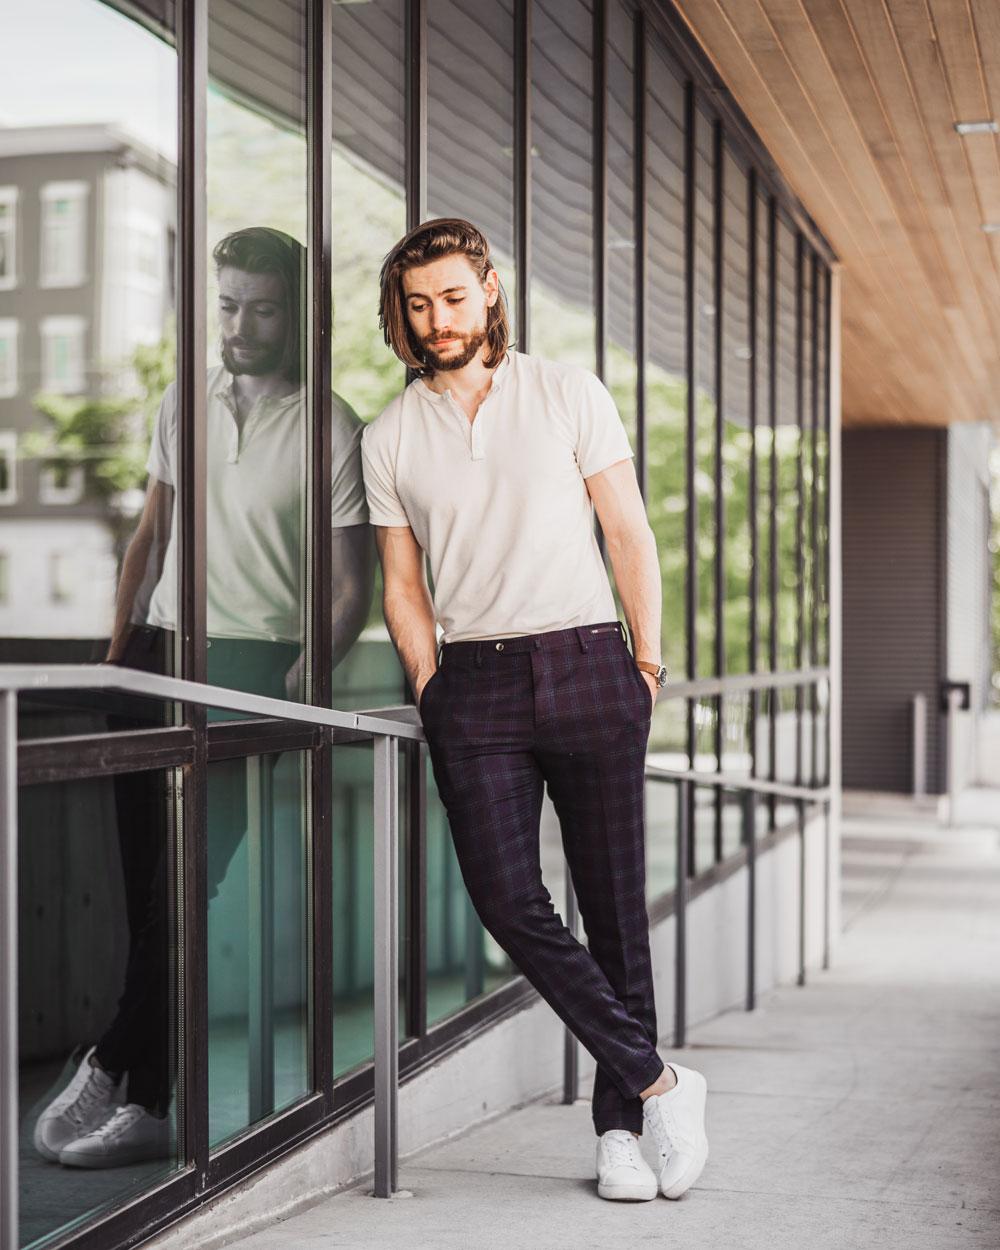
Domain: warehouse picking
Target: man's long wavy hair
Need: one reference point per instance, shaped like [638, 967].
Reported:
[262, 249]
[433, 240]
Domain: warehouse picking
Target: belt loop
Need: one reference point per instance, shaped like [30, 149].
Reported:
[440, 655]
[538, 643]
[621, 626]
[581, 637]
[479, 655]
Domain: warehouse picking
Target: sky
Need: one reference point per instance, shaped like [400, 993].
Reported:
[80, 61]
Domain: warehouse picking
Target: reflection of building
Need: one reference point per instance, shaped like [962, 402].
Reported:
[86, 274]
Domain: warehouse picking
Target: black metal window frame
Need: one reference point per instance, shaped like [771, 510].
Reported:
[190, 745]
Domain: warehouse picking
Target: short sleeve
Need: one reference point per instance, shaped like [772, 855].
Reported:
[162, 449]
[384, 505]
[601, 439]
[347, 483]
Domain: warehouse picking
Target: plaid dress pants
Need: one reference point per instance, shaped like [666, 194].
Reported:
[570, 710]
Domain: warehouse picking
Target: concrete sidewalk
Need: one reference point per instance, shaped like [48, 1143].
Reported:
[862, 1110]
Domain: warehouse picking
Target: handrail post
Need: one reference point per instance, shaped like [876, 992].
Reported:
[680, 914]
[9, 1238]
[800, 805]
[386, 965]
[571, 1052]
[750, 839]
[919, 745]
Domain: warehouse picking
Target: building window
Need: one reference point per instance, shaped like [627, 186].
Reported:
[8, 466]
[63, 354]
[8, 356]
[8, 238]
[4, 577]
[64, 229]
[62, 569]
[61, 483]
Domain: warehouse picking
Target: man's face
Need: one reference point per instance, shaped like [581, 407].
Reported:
[253, 320]
[446, 305]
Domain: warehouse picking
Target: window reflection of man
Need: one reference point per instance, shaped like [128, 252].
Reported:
[113, 1111]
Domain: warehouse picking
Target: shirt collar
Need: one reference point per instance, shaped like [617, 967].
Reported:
[438, 397]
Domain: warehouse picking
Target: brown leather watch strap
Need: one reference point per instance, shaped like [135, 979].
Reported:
[648, 666]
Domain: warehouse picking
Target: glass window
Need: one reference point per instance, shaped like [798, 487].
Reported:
[8, 466]
[9, 330]
[705, 315]
[61, 483]
[97, 937]
[787, 441]
[620, 359]
[737, 439]
[63, 354]
[64, 233]
[369, 216]
[470, 74]
[562, 182]
[8, 237]
[666, 384]
[764, 438]
[259, 841]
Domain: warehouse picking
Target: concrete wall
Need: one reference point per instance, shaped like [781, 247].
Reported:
[520, 1059]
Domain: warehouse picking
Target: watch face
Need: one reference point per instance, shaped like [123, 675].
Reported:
[661, 676]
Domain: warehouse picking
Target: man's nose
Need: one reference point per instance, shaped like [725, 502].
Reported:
[440, 314]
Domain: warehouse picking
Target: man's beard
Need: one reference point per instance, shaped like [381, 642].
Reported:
[472, 342]
[267, 358]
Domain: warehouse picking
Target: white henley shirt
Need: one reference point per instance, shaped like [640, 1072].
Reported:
[255, 500]
[500, 505]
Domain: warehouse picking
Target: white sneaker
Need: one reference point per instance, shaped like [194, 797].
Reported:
[677, 1122]
[132, 1135]
[86, 1102]
[622, 1173]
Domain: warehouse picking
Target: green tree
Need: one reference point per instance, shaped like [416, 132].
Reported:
[107, 437]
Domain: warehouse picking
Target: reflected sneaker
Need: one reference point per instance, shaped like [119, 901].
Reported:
[132, 1135]
[85, 1103]
[623, 1175]
[677, 1122]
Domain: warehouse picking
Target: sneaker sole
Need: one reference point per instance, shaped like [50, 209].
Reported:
[50, 1156]
[688, 1176]
[627, 1193]
[121, 1160]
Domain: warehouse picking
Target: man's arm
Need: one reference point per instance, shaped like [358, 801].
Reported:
[632, 549]
[353, 566]
[406, 604]
[143, 563]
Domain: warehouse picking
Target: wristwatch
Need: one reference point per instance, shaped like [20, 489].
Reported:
[655, 670]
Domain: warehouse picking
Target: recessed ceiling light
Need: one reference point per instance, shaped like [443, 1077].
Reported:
[991, 227]
[977, 128]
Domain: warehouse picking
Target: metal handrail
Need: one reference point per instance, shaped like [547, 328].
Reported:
[386, 731]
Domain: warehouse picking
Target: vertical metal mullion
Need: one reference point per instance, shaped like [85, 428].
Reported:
[814, 519]
[416, 112]
[691, 415]
[415, 943]
[772, 397]
[522, 171]
[600, 189]
[9, 1153]
[828, 495]
[192, 64]
[319, 136]
[799, 491]
[641, 240]
[386, 989]
[754, 588]
[685, 804]
[718, 296]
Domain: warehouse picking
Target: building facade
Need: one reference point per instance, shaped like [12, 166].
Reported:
[641, 230]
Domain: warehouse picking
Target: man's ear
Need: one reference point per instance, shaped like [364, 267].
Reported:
[491, 285]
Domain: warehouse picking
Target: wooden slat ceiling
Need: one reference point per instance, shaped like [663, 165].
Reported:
[857, 101]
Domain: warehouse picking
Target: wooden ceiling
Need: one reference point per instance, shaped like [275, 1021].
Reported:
[857, 101]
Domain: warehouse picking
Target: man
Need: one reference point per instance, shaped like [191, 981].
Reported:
[488, 464]
[257, 462]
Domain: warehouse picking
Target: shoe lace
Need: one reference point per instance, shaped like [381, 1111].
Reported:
[120, 1122]
[656, 1119]
[621, 1148]
[90, 1098]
